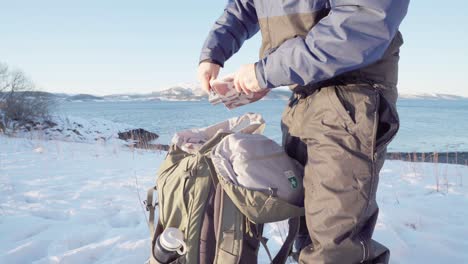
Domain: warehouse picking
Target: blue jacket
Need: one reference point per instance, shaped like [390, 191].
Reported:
[305, 42]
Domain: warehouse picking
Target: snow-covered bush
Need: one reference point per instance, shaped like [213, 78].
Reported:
[20, 102]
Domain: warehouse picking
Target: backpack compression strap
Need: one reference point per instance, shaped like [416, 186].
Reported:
[159, 228]
[151, 208]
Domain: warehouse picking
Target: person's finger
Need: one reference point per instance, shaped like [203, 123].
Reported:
[215, 72]
[246, 90]
[237, 84]
[254, 89]
[244, 86]
[213, 77]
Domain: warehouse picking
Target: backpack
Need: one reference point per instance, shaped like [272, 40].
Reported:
[222, 222]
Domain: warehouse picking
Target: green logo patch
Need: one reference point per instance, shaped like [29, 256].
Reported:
[291, 178]
[293, 181]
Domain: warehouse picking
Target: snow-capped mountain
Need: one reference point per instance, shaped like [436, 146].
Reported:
[432, 96]
[193, 92]
[182, 92]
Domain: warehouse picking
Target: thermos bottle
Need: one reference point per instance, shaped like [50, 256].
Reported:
[169, 245]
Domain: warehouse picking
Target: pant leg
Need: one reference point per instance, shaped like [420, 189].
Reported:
[341, 126]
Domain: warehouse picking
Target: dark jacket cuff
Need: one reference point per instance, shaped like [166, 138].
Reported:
[211, 61]
[261, 75]
[212, 55]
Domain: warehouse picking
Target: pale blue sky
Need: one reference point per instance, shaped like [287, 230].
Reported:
[105, 47]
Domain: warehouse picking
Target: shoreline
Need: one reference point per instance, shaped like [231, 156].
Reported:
[460, 158]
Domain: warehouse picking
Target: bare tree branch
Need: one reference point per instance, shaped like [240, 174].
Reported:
[3, 79]
[19, 101]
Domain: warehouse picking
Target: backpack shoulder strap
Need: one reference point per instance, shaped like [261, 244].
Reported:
[286, 248]
[229, 229]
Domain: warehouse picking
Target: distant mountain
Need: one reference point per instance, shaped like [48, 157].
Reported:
[186, 92]
[84, 97]
[181, 93]
[35, 94]
[193, 92]
[129, 97]
[60, 96]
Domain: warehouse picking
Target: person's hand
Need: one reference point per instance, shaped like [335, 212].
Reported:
[245, 80]
[207, 71]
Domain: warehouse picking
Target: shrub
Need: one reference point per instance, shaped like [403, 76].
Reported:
[20, 103]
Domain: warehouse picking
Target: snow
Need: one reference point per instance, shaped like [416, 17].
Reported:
[76, 129]
[420, 220]
[73, 202]
[69, 202]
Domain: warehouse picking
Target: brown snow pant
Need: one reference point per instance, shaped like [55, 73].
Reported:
[340, 134]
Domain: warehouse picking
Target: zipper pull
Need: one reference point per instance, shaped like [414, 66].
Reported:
[293, 101]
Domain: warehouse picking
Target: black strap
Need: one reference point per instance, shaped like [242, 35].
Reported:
[286, 248]
[347, 78]
[263, 241]
[256, 231]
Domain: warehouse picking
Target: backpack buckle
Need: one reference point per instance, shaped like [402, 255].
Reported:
[149, 206]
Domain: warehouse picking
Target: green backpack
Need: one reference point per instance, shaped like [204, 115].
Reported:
[221, 222]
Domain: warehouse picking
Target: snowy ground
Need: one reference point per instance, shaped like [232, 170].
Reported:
[65, 202]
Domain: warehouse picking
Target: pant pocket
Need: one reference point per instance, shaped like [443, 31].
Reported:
[388, 124]
[356, 106]
[345, 111]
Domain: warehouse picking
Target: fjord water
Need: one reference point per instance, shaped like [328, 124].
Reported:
[426, 125]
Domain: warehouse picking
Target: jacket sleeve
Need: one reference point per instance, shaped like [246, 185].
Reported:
[238, 23]
[355, 33]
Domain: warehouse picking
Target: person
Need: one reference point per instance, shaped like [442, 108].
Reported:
[340, 58]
